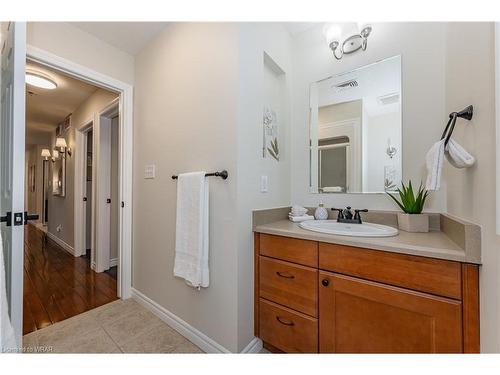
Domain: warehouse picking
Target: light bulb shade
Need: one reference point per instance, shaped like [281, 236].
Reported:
[45, 153]
[365, 28]
[332, 32]
[38, 80]
[61, 142]
[55, 154]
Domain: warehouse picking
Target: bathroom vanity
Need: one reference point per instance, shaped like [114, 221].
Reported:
[321, 293]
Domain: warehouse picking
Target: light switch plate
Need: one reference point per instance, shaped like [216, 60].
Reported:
[150, 171]
[264, 184]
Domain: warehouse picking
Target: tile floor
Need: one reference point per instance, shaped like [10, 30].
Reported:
[117, 327]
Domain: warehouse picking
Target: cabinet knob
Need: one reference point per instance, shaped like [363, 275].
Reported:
[325, 282]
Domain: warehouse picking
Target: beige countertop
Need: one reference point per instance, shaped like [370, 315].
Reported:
[434, 244]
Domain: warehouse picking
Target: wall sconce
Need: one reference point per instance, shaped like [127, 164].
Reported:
[55, 155]
[63, 147]
[46, 154]
[348, 41]
[390, 150]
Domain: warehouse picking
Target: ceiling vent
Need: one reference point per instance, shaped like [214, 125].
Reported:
[352, 83]
[389, 99]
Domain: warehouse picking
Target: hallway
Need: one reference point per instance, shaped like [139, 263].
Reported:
[57, 285]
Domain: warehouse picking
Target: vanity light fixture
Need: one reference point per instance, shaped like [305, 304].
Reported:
[345, 42]
[63, 147]
[40, 80]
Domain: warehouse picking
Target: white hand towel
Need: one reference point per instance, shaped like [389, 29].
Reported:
[458, 156]
[191, 236]
[332, 189]
[299, 219]
[434, 162]
[298, 210]
[7, 337]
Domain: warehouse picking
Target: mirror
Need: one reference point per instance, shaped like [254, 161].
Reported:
[356, 130]
[59, 175]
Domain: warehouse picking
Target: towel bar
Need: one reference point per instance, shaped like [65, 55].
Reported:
[222, 174]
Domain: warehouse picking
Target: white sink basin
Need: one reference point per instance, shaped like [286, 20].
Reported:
[343, 229]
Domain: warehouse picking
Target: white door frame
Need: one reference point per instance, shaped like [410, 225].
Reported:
[102, 156]
[125, 151]
[350, 128]
[81, 187]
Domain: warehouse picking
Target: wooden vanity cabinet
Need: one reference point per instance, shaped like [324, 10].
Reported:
[360, 316]
[340, 299]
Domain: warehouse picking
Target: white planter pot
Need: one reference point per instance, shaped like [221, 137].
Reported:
[413, 222]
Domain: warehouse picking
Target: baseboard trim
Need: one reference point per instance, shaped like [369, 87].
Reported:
[198, 338]
[254, 346]
[113, 262]
[61, 243]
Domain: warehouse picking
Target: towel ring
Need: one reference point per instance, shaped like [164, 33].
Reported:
[466, 113]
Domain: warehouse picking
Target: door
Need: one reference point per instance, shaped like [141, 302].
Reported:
[12, 174]
[360, 316]
[103, 194]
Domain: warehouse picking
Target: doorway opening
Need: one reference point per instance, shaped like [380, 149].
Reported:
[61, 174]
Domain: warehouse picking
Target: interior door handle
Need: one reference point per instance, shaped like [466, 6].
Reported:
[108, 200]
[7, 219]
[28, 216]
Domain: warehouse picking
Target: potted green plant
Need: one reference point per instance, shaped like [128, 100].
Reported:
[411, 219]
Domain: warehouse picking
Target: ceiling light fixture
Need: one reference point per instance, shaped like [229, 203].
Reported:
[39, 80]
[354, 41]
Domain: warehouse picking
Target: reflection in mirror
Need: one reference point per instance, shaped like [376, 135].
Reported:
[356, 130]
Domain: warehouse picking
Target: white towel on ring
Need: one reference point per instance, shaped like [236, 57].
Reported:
[434, 162]
[458, 156]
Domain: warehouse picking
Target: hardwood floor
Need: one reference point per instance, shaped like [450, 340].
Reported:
[57, 285]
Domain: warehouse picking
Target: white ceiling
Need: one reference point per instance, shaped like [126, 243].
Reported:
[129, 37]
[45, 109]
[295, 28]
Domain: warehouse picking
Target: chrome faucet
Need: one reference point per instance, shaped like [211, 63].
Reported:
[346, 215]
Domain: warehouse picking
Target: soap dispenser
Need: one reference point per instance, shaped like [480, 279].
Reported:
[321, 213]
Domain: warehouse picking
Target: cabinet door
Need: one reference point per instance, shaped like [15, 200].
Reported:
[359, 316]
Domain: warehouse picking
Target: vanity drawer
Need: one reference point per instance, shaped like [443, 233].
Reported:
[289, 284]
[287, 330]
[290, 249]
[435, 276]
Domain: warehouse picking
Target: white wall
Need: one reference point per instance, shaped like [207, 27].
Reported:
[186, 100]
[421, 46]
[228, 89]
[377, 129]
[471, 192]
[257, 88]
[72, 43]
